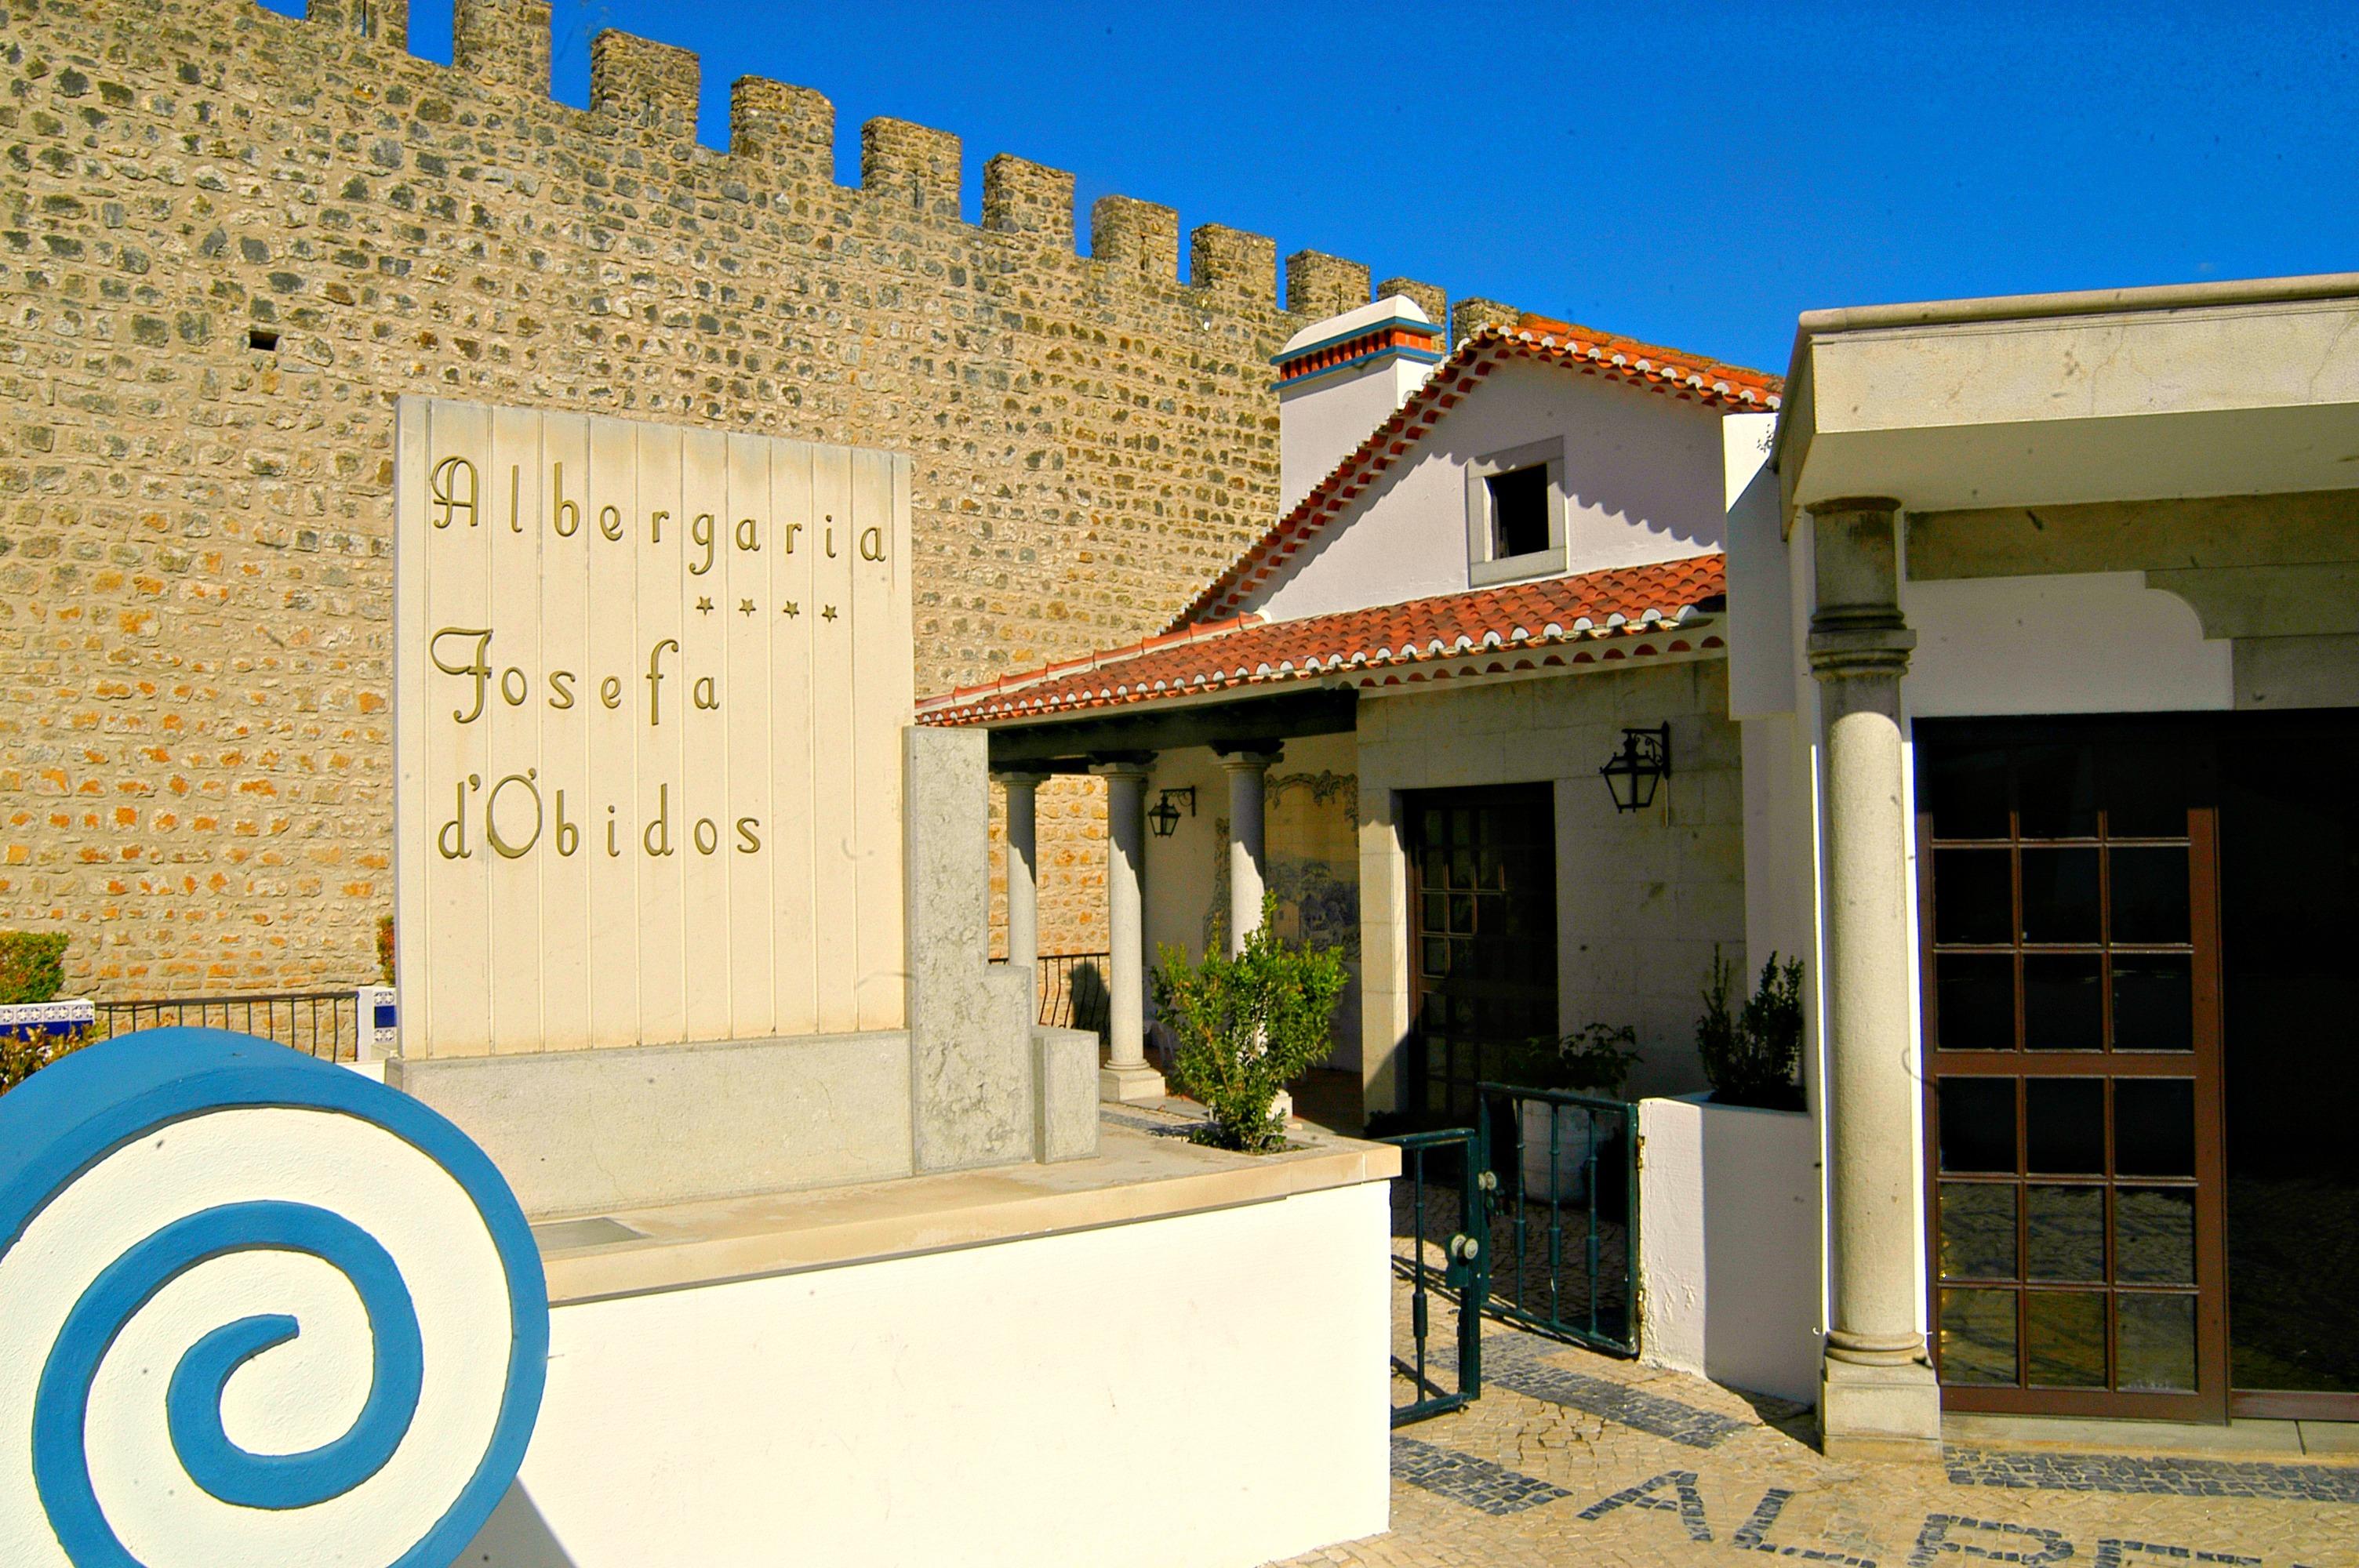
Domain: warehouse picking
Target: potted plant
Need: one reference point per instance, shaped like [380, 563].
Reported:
[1247, 1026]
[1593, 1060]
[1751, 1050]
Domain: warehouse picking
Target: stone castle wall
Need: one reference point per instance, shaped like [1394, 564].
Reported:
[229, 240]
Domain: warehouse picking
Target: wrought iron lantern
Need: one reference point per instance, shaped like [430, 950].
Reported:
[1164, 817]
[1644, 762]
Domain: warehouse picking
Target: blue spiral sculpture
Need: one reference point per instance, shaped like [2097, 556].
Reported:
[255, 1309]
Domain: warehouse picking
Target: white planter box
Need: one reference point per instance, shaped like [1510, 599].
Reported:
[29, 1019]
[1730, 1244]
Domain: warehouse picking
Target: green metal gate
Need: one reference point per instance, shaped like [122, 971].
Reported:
[1441, 1250]
[1564, 1224]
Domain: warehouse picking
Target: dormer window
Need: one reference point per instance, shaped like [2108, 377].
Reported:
[1514, 515]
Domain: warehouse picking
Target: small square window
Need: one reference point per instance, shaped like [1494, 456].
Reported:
[1519, 511]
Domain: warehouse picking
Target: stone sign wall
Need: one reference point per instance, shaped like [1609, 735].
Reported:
[649, 688]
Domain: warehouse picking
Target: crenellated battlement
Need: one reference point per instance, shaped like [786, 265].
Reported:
[1230, 261]
[384, 20]
[644, 84]
[1024, 198]
[787, 132]
[506, 43]
[1134, 237]
[782, 137]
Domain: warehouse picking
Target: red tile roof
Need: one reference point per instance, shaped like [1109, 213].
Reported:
[1685, 376]
[1633, 610]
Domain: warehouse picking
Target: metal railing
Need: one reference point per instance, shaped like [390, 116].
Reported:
[1073, 992]
[1564, 1230]
[1439, 1249]
[326, 1024]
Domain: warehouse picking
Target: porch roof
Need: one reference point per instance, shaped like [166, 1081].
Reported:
[1637, 611]
[2193, 390]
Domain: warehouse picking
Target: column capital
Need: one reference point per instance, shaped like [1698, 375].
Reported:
[1122, 764]
[1855, 504]
[1856, 629]
[1255, 757]
[1035, 777]
[1859, 648]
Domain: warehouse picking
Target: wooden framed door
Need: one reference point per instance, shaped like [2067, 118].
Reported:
[2069, 890]
[1483, 936]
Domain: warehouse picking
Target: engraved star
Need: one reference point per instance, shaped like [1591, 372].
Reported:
[744, 607]
[792, 609]
[828, 614]
[704, 607]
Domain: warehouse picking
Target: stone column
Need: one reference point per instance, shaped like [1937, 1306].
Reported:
[1126, 1075]
[1878, 1397]
[1248, 862]
[1023, 869]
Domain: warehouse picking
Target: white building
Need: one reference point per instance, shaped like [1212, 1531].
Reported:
[2048, 668]
[1394, 708]
[2040, 625]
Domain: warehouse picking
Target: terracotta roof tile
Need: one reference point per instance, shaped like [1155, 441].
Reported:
[1634, 611]
[1670, 371]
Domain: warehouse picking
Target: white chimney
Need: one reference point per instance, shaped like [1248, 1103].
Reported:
[1341, 378]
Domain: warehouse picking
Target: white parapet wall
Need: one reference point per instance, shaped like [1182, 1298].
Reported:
[1197, 1389]
[1729, 1249]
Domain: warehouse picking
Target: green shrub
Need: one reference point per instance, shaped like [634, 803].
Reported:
[32, 965]
[1247, 1026]
[385, 949]
[1596, 1057]
[21, 1059]
[1751, 1051]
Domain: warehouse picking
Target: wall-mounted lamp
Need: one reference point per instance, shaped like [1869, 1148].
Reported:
[1164, 817]
[1644, 762]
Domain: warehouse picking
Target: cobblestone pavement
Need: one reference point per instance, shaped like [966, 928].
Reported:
[1574, 1458]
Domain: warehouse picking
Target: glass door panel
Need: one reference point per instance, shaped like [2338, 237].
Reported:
[1484, 908]
[2072, 1026]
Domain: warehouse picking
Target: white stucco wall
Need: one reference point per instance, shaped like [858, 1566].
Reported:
[1642, 898]
[1323, 420]
[1645, 481]
[1729, 1253]
[1761, 671]
[2088, 642]
[1021, 1403]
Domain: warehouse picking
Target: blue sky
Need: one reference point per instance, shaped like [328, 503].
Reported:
[1694, 174]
